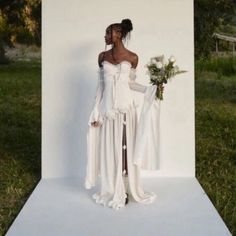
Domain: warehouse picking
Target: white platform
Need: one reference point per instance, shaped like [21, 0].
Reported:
[63, 207]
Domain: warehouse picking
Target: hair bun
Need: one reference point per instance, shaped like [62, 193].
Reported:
[126, 25]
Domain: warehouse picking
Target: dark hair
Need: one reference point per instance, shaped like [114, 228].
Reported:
[124, 27]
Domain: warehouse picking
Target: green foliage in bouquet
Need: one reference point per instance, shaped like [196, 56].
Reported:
[161, 71]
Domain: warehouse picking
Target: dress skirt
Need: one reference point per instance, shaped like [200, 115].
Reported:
[112, 146]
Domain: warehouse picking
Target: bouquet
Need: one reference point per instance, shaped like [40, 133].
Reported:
[161, 71]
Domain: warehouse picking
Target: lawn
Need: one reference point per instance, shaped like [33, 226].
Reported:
[20, 135]
[215, 93]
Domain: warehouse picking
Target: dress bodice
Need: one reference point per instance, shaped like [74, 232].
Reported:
[117, 95]
[119, 71]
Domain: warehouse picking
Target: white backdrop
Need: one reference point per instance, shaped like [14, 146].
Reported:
[72, 37]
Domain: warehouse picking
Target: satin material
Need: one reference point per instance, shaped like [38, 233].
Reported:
[114, 98]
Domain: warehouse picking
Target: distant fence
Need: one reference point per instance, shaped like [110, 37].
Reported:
[230, 39]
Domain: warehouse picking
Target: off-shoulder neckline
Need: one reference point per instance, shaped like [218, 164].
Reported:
[115, 65]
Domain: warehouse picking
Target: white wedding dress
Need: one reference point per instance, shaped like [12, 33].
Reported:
[114, 108]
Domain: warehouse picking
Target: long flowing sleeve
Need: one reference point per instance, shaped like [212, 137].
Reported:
[147, 140]
[133, 84]
[93, 133]
[95, 114]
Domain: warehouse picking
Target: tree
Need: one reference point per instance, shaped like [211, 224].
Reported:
[208, 15]
[32, 19]
[20, 21]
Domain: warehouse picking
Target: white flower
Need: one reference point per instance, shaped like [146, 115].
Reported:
[164, 61]
[153, 60]
[172, 59]
[176, 69]
[159, 65]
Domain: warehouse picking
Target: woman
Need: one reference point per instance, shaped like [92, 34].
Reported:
[114, 140]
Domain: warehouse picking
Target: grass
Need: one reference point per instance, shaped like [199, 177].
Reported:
[221, 65]
[20, 136]
[215, 90]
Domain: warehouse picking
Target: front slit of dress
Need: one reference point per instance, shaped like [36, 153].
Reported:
[124, 149]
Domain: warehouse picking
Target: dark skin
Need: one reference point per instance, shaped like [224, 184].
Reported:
[119, 51]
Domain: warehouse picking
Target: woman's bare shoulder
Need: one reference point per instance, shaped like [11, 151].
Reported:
[133, 58]
[101, 56]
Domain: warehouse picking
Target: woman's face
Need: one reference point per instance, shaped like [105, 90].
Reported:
[111, 36]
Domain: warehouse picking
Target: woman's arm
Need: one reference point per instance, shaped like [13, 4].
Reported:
[95, 118]
[95, 115]
[137, 87]
[133, 84]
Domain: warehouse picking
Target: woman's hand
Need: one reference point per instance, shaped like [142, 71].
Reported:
[95, 124]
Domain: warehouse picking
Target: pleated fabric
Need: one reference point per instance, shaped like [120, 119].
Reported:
[104, 143]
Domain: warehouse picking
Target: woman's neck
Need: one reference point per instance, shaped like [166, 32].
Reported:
[118, 47]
